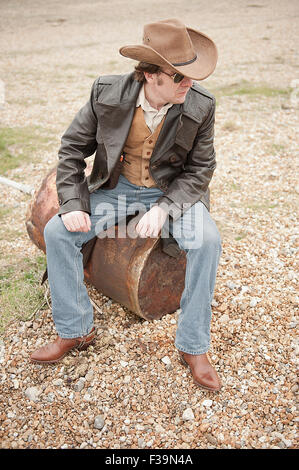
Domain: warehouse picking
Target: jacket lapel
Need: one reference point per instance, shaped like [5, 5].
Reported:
[116, 107]
[167, 135]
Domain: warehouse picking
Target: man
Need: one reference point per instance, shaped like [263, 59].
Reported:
[152, 131]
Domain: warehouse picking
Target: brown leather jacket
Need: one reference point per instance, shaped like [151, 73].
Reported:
[183, 160]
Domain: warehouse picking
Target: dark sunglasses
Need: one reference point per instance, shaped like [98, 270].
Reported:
[176, 77]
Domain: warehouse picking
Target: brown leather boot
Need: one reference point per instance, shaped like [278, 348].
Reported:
[54, 352]
[204, 375]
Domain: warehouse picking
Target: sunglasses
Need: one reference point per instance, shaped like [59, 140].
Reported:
[176, 77]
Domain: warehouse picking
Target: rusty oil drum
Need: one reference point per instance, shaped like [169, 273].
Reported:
[134, 272]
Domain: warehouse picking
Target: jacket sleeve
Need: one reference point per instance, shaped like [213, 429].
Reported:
[77, 143]
[191, 185]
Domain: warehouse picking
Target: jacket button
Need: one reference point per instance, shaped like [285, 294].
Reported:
[172, 159]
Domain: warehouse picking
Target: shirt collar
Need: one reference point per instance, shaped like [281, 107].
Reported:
[142, 101]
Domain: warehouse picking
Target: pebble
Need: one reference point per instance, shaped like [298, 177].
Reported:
[224, 318]
[188, 415]
[231, 285]
[159, 428]
[78, 387]
[58, 382]
[254, 302]
[207, 403]
[33, 393]
[82, 370]
[99, 422]
[89, 376]
[166, 360]
[211, 439]
[204, 427]
[16, 384]
[141, 443]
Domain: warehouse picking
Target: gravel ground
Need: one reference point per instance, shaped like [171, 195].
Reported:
[129, 390]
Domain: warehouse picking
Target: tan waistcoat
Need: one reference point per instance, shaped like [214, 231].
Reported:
[138, 150]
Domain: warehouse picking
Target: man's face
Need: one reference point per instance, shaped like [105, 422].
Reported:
[167, 90]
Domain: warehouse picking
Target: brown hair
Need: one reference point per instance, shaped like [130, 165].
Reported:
[145, 67]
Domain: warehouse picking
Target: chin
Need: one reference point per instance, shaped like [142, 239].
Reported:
[181, 99]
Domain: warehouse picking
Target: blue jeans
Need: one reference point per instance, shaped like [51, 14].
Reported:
[195, 232]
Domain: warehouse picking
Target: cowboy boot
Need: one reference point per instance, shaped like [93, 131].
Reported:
[54, 352]
[204, 375]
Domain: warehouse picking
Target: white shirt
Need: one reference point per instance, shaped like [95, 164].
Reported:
[152, 116]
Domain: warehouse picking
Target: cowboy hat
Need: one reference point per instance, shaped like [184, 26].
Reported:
[170, 43]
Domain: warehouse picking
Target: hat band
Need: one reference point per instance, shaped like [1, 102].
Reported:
[179, 64]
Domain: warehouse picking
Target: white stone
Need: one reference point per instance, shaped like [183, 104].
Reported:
[159, 428]
[99, 422]
[58, 382]
[33, 393]
[207, 403]
[166, 360]
[224, 318]
[254, 301]
[188, 415]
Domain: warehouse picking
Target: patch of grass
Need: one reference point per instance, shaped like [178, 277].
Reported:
[235, 187]
[9, 234]
[262, 206]
[4, 211]
[250, 89]
[255, 5]
[20, 290]
[241, 236]
[18, 145]
[230, 126]
[276, 149]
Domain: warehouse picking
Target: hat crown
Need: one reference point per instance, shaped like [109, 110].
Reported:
[171, 39]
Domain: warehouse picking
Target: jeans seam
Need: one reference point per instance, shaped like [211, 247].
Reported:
[187, 277]
[79, 293]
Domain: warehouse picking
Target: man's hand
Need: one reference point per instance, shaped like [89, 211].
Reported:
[151, 222]
[76, 221]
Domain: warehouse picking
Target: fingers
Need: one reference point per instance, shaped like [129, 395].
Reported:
[151, 223]
[76, 221]
[147, 229]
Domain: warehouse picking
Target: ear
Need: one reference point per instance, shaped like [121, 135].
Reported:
[149, 77]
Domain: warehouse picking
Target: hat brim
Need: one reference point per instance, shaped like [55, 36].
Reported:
[200, 69]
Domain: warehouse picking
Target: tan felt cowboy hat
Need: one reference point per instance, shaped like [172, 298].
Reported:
[170, 43]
